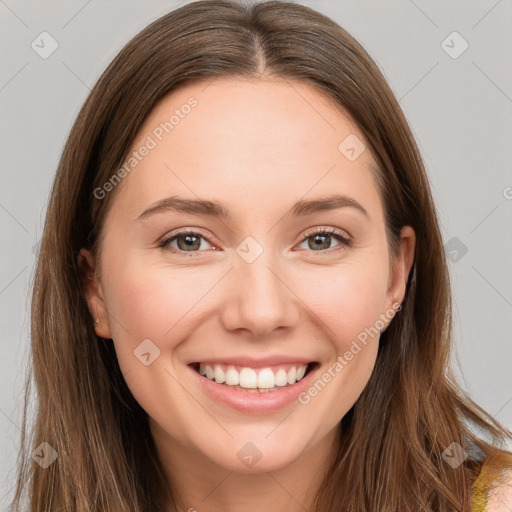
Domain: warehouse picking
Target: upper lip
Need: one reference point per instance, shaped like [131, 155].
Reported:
[255, 362]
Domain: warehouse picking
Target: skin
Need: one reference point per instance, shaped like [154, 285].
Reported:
[258, 146]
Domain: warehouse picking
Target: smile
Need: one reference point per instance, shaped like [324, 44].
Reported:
[258, 387]
[245, 378]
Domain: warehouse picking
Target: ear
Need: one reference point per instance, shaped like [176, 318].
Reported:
[401, 267]
[93, 293]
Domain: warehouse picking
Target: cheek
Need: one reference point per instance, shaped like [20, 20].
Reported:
[347, 299]
[158, 302]
[148, 302]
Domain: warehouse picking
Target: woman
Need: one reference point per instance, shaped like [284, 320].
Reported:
[242, 300]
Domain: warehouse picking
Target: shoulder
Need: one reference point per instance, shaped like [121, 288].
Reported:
[500, 494]
[492, 490]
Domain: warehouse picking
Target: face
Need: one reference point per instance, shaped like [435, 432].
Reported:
[283, 296]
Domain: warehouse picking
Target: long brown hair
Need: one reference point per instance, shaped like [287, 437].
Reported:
[393, 438]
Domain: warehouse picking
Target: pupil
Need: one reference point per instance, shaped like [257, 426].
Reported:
[319, 237]
[189, 241]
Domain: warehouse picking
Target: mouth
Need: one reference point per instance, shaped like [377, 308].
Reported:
[246, 379]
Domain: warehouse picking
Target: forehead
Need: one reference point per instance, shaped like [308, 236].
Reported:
[248, 142]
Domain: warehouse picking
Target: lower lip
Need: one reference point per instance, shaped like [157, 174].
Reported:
[259, 403]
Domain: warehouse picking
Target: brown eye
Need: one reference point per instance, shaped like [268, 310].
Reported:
[186, 242]
[320, 241]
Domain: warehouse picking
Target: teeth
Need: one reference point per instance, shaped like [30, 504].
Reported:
[266, 378]
[209, 372]
[253, 379]
[292, 375]
[232, 377]
[219, 374]
[248, 378]
[300, 372]
[281, 377]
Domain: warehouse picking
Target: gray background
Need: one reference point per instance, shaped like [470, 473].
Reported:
[460, 111]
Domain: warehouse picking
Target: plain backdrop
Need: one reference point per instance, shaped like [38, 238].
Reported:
[456, 99]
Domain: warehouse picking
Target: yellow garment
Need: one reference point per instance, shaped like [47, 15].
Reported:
[492, 475]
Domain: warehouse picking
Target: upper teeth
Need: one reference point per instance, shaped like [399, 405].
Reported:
[252, 378]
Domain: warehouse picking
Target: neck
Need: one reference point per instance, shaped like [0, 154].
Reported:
[198, 484]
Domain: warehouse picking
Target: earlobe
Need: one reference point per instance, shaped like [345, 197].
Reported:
[93, 293]
[408, 238]
[402, 266]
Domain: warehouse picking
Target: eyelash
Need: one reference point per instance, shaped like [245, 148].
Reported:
[345, 242]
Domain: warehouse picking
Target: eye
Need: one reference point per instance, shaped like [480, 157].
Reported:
[323, 237]
[191, 242]
[187, 242]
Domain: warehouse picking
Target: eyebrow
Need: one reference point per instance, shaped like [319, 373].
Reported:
[217, 209]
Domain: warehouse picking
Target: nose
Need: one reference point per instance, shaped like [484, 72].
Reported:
[259, 298]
